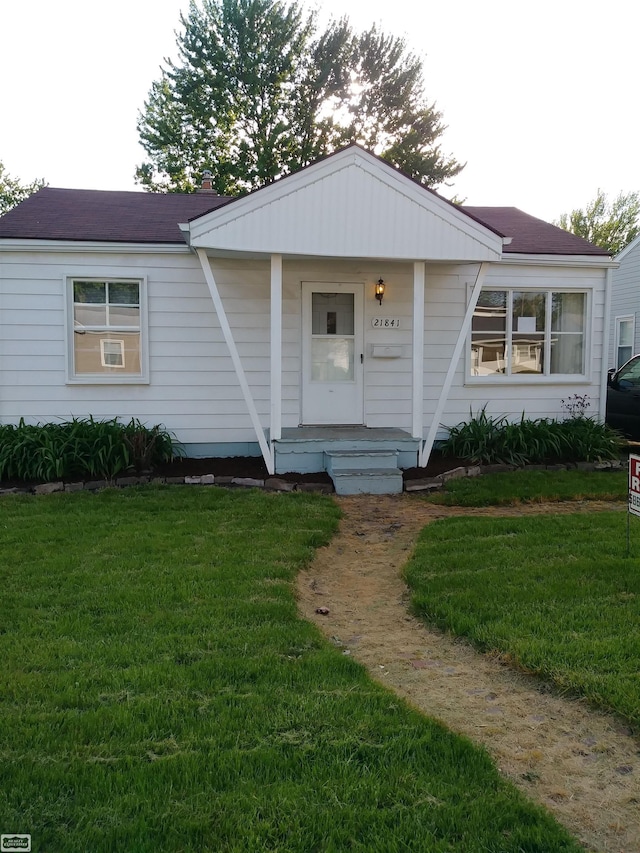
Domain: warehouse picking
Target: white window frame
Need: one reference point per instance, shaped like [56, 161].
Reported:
[624, 318]
[120, 352]
[116, 378]
[536, 378]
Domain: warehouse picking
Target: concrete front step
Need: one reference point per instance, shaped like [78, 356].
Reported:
[304, 449]
[363, 460]
[370, 481]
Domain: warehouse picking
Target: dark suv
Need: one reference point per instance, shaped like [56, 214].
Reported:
[623, 398]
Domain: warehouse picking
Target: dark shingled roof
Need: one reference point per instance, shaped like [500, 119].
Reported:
[139, 217]
[105, 216]
[531, 236]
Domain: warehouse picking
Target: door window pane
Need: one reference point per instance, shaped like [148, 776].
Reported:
[332, 313]
[332, 359]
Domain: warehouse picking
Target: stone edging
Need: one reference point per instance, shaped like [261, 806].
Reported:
[276, 484]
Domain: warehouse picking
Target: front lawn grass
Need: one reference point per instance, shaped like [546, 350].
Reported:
[555, 594]
[525, 486]
[160, 693]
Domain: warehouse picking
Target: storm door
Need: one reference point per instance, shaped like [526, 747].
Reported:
[332, 353]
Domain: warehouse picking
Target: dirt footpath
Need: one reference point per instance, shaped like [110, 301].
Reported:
[582, 765]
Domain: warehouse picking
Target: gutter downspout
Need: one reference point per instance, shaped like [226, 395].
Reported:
[605, 346]
[235, 358]
[427, 447]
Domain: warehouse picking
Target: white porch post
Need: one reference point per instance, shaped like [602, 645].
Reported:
[276, 350]
[235, 358]
[426, 449]
[417, 406]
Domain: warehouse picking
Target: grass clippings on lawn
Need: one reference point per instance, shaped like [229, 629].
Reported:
[555, 594]
[160, 693]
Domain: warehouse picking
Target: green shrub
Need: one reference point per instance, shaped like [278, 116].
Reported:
[486, 439]
[80, 448]
[584, 439]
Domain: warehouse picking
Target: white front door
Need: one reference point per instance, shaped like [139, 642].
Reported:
[332, 353]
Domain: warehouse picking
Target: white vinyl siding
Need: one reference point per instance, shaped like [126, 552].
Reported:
[192, 386]
[625, 299]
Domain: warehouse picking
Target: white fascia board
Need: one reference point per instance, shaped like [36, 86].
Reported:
[84, 246]
[348, 158]
[597, 261]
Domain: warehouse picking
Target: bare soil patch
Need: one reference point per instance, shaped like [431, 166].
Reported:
[582, 765]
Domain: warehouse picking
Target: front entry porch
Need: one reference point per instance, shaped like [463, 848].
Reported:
[359, 460]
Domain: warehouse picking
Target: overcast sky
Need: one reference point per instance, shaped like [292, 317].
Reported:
[540, 98]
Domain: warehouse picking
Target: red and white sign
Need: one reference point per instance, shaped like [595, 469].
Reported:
[634, 484]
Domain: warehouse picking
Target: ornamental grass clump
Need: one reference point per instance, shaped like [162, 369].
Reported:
[486, 439]
[80, 448]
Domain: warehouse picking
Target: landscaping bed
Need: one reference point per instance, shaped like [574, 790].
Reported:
[250, 471]
[226, 471]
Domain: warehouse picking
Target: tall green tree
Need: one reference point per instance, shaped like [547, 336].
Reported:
[258, 92]
[12, 192]
[610, 225]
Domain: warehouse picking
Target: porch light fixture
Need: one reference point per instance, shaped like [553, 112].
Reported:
[380, 290]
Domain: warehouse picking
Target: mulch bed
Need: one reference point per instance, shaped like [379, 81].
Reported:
[254, 467]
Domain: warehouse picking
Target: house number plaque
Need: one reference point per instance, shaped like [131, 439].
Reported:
[385, 322]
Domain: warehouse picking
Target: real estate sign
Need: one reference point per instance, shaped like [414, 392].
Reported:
[634, 484]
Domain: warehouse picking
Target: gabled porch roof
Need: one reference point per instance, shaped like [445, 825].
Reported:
[349, 205]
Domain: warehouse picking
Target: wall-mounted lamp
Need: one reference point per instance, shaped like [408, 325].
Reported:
[380, 290]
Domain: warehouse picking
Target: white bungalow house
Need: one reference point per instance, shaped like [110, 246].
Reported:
[625, 306]
[341, 318]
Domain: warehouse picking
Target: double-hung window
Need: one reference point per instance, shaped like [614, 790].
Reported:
[107, 330]
[519, 333]
[625, 333]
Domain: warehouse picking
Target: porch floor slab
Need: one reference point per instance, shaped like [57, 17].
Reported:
[345, 433]
[358, 449]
